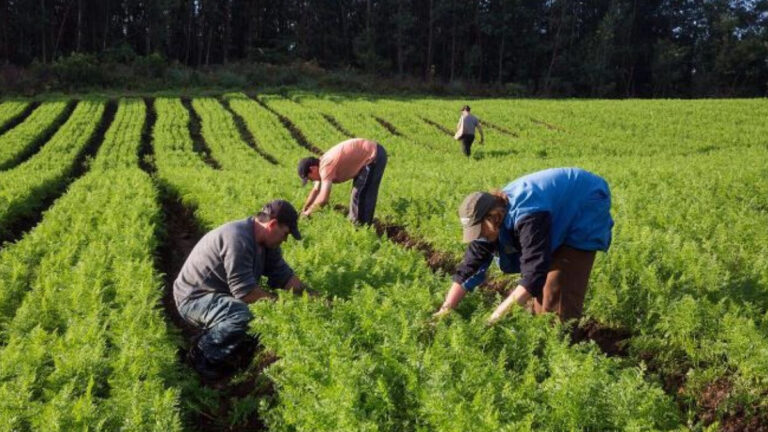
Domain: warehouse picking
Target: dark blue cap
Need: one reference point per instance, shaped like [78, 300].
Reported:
[304, 166]
[284, 212]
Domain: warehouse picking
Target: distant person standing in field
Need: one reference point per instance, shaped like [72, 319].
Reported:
[465, 130]
[545, 226]
[221, 277]
[357, 159]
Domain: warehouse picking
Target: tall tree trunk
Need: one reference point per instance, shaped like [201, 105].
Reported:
[368, 15]
[399, 40]
[43, 27]
[188, 43]
[147, 31]
[208, 46]
[453, 43]
[5, 51]
[428, 69]
[348, 49]
[79, 25]
[630, 79]
[107, 15]
[61, 31]
[555, 47]
[501, 53]
[479, 42]
[227, 30]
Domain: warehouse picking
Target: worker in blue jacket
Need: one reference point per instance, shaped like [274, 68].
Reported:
[546, 226]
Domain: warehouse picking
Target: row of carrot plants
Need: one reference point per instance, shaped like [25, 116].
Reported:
[22, 139]
[83, 344]
[24, 188]
[11, 110]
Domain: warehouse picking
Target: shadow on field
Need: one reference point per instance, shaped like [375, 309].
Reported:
[245, 134]
[198, 143]
[483, 154]
[19, 118]
[388, 126]
[498, 128]
[336, 125]
[439, 127]
[297, 135]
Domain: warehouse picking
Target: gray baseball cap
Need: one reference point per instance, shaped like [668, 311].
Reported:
[472, 211]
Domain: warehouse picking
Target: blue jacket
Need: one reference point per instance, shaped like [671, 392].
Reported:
[547, 209]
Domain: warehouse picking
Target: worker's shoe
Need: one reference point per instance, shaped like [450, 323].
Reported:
[242, 355]
[210, 372]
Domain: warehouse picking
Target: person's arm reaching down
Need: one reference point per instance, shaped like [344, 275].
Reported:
[533, 231]
[320, 199]
[311, 197]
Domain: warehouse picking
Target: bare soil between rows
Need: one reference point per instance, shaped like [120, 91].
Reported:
[179, 233]
[336, 125]
[246, 134]
[295, 132]
[198, 143]
[19, 118]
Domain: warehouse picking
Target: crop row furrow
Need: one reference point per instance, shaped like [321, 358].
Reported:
[27, 138]
[31, 186]
[14, 112]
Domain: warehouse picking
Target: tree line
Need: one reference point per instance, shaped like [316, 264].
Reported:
[597, 48]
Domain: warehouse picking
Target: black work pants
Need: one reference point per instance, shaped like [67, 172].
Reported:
[466, 143]
[365, 189]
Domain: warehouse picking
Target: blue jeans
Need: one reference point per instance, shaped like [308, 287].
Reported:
[223, 319]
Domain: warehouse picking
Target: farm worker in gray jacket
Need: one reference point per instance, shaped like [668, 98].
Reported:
[221, 277]
[465, 130]
[357, 159]
[545, 226]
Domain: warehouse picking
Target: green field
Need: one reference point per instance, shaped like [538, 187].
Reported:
[100, 200]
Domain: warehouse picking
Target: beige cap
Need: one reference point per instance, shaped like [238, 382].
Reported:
[472, 211]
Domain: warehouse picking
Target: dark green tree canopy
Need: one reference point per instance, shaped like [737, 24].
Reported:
[596, 48]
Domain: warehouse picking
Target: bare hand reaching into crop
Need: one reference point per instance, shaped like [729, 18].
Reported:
[442, 312]
[518, 296]
[493, 319]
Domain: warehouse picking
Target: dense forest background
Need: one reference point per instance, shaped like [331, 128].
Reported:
[598, 48]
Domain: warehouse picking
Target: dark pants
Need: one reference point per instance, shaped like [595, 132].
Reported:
[466, 143]
[224, 321]
[365, 189]
[566, 284]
